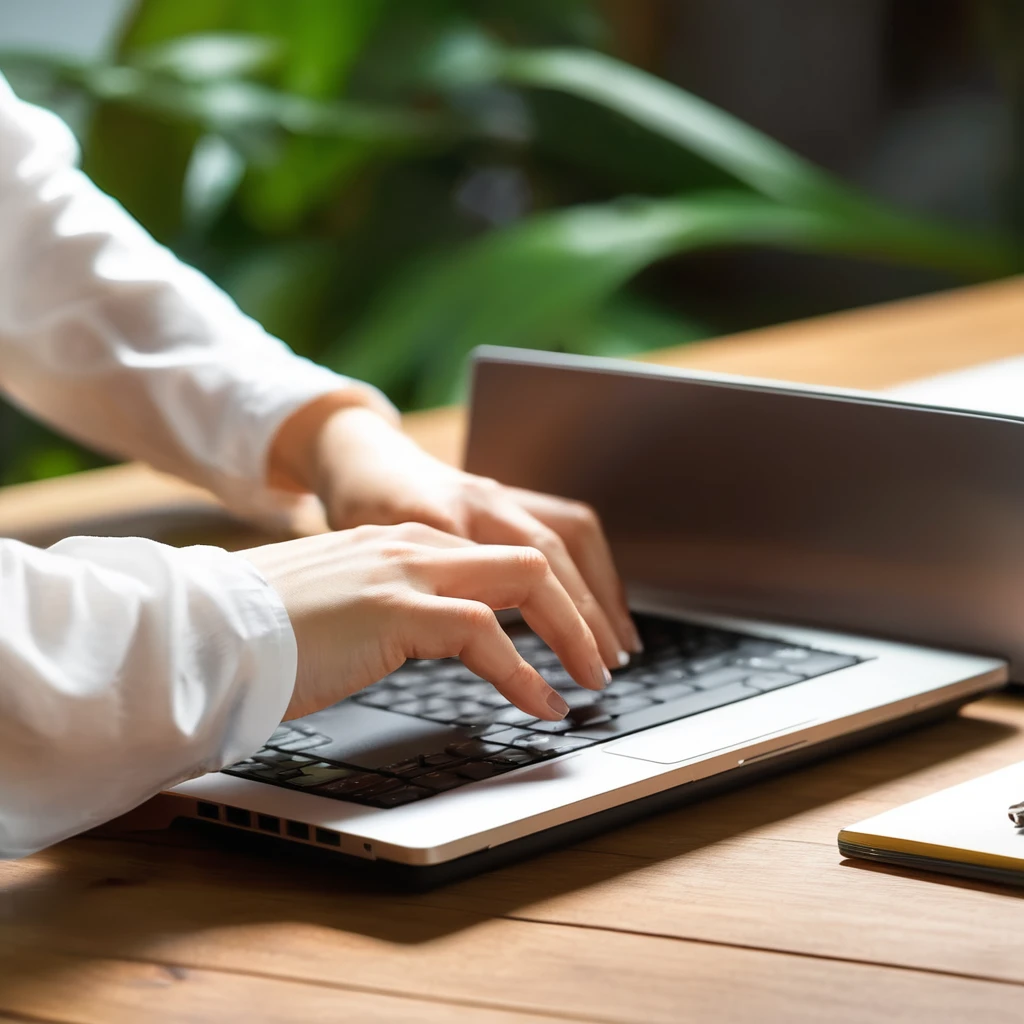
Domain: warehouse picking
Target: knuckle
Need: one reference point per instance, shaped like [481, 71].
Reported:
[415, 530]
[483, 485]
[584, 516]
[430, 518]
[520, 675]
[395, 549]
[531, 561]
[477, 617]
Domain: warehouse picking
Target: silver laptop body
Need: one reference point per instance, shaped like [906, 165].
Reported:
[769, 518]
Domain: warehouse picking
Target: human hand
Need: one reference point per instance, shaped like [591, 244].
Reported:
[362, 601]
[365, 470]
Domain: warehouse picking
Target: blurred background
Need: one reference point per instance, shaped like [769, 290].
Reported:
[386, 184]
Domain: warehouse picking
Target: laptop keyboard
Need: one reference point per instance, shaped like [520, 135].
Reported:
[685, 669]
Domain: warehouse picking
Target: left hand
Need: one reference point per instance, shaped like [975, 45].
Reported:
[366, 471]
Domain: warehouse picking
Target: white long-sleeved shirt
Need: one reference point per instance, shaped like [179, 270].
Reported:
[127, 665]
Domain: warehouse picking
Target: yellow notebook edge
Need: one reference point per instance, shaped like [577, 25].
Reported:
[912, 848]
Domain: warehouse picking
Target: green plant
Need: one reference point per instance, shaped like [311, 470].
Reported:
[386, 185]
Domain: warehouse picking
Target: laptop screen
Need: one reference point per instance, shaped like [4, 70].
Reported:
[818, 507]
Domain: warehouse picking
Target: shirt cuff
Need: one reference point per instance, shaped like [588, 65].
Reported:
[269, 662]
[267, 402]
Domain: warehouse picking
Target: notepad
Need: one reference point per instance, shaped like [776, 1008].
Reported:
[996, 387]
[963, 830]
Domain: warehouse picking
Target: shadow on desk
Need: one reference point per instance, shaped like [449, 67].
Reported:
[145, 900]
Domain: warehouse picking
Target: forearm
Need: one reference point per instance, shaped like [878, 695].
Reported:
[125, 667]
[106, 335]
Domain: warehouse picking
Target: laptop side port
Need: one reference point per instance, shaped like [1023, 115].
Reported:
[327, 837]
[268, 823]
[207, 810]
[238, 816]
[297, 830]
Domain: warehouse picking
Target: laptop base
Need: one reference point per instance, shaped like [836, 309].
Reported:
[416, 878]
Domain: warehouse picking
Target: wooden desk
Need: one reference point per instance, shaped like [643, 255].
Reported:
[738, 909]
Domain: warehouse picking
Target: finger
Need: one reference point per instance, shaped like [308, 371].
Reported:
[429, 536]
[508, 523]
[514, 577]
[580, 529]
[444, 627]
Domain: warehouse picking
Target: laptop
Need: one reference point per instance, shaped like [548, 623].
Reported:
[808, 568]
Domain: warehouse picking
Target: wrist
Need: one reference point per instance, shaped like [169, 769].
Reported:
[296, 458]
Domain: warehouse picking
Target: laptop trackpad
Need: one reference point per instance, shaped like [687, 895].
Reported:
[709, 733]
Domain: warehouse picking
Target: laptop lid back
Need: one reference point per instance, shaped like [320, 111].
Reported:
[771, 500]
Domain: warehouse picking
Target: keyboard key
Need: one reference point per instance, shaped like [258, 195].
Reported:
[398, 797]
[577, 697]
[482, 718]
[698, 666]
[668, 691]
[440, 758]
[380, 788]
[550, 745]
[619, 688]
[418, 707]
[515, 758]
[474, 749]
[758, 646]
[720, 677]
[593, 715]
[385, 697]
[552, 727]
[282, 758]
[317, 774]
[440, 781]
[544, 660]
[772, 680]
[812, 663]
[477, 770]
[409, 768]
[658, 714]
[761, 663]
[513, 716]
[508, 736]
[616, 706]
[559, 679]
[492, 700]
[351, 784]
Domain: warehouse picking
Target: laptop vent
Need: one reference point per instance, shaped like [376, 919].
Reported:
[238, 817]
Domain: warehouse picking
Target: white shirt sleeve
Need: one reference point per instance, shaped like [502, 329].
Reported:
[106, 335]
[125, 665]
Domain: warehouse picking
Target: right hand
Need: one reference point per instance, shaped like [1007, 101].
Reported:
[362, 601]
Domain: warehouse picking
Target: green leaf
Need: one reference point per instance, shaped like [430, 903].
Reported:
[212, 177]
[748, 155]
[528, 285]
[210, 56]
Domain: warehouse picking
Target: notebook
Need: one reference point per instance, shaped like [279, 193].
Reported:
[996, 387]
[964, 830]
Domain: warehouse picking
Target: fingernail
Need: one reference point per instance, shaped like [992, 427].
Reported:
[623, 659]
[602, 676]
[557, 705]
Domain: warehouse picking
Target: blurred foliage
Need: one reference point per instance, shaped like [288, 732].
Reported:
[386, 184]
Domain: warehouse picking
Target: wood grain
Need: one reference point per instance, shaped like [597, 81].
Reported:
[736, 909]
[239, 964]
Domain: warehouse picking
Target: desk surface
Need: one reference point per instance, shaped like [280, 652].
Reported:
[736, 909]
